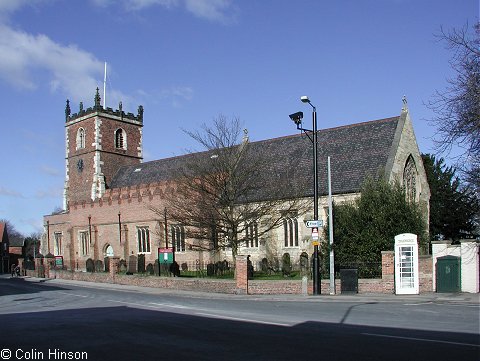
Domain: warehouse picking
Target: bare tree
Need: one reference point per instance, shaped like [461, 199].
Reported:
[225, 196]
[14, 236]
[457, 108]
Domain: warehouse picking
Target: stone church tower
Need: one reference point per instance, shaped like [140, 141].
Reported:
[98, 142]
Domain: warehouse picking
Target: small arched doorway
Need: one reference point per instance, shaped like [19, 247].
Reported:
[107, 253]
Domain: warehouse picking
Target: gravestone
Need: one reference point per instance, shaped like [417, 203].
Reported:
[264, 265]
[150, 269]
[132, 264]
[304, 264]
[99, 266]
[286, 265]
[141, 263]
[90, 265]
[122, 265]
[210, 269]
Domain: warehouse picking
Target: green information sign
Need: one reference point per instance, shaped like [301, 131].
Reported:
[58, 261]
[165, 255]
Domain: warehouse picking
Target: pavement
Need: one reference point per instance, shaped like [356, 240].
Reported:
[428, 297]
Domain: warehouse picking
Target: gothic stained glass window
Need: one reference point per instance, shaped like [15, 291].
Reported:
[410, 179]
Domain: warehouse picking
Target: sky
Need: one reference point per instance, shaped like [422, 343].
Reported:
[189, 61]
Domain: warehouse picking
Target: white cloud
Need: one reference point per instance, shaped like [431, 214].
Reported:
[177, 95]
[71, 70]
[35, 223]
[102, 3]
[49, 193]
[141, 4]
[7, 7]
[45, 169]
[10, 193]
[215, 10]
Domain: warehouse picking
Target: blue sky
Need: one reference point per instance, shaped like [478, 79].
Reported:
[187, 61]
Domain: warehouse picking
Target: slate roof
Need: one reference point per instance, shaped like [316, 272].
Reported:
[357, 151]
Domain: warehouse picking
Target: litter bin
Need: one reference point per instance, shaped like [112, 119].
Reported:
[349, 280]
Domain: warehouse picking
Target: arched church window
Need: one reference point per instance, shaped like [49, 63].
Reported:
[251, 234]
[120, 139]
[178, 238]
[81, 138]
[410, 179]
[290, 230]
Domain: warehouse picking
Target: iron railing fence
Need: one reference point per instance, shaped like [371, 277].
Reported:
[261, 269]
[364, 269]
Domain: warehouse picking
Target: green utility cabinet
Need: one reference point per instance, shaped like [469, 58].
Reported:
[448, 274]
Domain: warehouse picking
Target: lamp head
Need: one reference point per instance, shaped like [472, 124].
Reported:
[297, 117]
[304, 99]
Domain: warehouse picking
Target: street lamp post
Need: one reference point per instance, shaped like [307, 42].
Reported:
[297, 119]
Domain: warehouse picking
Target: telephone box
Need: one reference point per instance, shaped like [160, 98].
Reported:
[406, 264]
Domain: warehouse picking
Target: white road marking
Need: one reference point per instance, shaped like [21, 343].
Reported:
[73, 294]
[417, 304]
[130, 303]
[212, 315]
[422, 339]
[168, 305]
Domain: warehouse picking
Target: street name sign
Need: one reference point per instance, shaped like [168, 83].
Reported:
[314, 223]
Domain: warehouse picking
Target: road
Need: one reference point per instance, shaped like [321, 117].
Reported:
[58, 320]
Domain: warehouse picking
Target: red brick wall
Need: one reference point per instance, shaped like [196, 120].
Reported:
[255, 287]
[241, 274]
[188, 284]
[425, 272]
[80, 183]
[134, 206]
[388, 264]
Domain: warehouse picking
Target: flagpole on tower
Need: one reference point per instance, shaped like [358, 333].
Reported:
[105, 87]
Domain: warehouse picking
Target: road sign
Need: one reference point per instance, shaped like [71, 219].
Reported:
[314, 233]
[314, 224]
[316, 243]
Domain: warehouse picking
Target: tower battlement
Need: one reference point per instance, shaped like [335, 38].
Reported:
[98, 108]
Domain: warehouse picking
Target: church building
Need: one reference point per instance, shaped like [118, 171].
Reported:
[110, 192]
